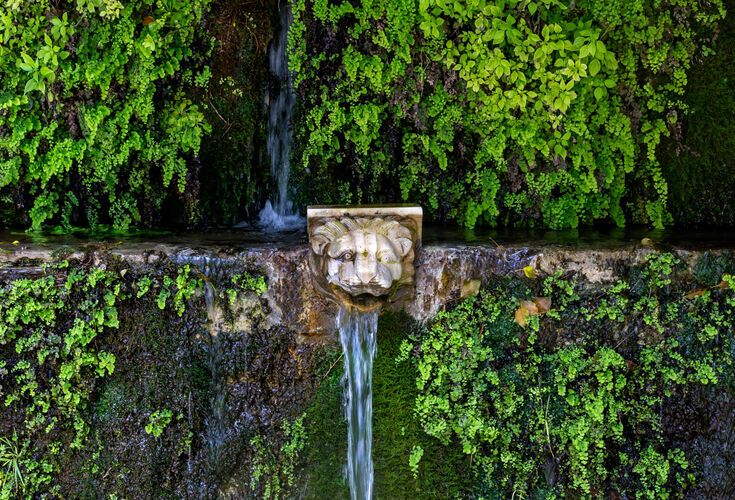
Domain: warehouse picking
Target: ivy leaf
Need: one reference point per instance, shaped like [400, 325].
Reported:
[29, 62]
[594, 67]
[30, 86]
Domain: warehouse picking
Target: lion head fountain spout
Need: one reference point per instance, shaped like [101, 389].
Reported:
[363, 256]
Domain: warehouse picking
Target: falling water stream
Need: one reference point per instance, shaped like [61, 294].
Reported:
[278, 213]
[358, 332]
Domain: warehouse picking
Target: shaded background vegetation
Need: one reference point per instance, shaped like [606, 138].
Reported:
[699, 165]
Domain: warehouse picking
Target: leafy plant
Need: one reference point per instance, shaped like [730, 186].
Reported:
[86, 137]
[543, 112]
[570, 403]
[273, 468]
[52, 356]
[11, 475]
[158, 421]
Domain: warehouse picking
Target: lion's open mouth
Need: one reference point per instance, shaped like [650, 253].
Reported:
[374, 289]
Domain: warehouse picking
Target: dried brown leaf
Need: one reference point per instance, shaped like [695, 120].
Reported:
[543, 304]
[521, 317]
[695, 293]
[535, 307]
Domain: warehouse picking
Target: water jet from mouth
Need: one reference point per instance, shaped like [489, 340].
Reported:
[357, 333]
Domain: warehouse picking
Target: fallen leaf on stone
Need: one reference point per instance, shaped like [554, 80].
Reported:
[694, 293]
[647, 242]
[543, 304]
[16, 242]
[148, 20]
[723, 285]
[530, 272]
[470, 288]
[522, 317]
[535, 307]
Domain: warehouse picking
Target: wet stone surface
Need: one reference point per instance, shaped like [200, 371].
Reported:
[445, 271]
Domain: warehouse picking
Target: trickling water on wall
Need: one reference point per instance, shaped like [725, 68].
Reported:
[278, 213]
[357, 332]
[218, 430]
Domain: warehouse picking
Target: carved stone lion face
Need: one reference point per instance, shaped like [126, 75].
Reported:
[364, 256]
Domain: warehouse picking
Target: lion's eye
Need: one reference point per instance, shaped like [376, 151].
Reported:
[345, 256]
[386, 256]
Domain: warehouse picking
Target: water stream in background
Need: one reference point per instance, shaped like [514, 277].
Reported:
[357, 332]
[278, 214]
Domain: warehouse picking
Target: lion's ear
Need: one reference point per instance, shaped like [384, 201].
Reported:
[319, 244]
[404, 245]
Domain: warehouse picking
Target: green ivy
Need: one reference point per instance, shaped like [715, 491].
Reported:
[95, 122]
[530, 112]
[571, 405]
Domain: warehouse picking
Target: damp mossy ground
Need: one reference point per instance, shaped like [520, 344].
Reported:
[443, 472]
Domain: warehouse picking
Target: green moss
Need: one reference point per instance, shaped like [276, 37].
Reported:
[326, 432]
[443, 471]
[111, 402]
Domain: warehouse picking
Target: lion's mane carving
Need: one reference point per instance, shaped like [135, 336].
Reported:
[362, 258]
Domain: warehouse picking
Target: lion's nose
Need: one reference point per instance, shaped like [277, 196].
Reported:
[366, 269]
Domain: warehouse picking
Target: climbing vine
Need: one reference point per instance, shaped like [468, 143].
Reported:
[531, 112]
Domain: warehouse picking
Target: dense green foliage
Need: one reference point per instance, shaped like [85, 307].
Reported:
[538, 113]
[572, 404]
[515, 112]
[95, 122]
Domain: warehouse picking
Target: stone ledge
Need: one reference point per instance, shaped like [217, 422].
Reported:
[444, 272]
